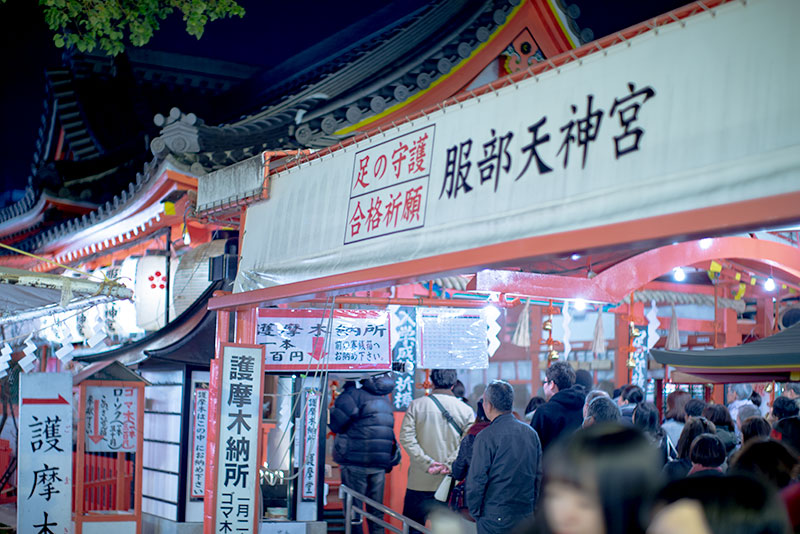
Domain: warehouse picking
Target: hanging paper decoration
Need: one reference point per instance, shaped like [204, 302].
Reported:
[652, 326]
[28, 362]
[673, 336]
[599, 341]
[64, 354]
[566, 321]
[5, 358]
[522, 333]
[98, 332]
[491, 314]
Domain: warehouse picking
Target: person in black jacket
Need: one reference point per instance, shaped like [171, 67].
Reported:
[365, 446]
[563, 411]
[506, 469]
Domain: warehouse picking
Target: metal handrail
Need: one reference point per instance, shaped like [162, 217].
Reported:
[349, 510]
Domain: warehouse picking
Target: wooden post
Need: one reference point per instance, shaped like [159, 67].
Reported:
[623, 340]
[137, 499]
[120, 482]
[209, 499]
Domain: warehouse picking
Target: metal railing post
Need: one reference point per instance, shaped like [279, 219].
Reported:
[348, 513]
[406, 522]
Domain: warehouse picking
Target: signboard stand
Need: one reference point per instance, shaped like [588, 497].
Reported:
[110, 422]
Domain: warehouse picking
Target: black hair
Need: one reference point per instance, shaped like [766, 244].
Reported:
[562, 375]
[632, 394]
[616, 463]
[584, 378]
[694, 407]
[603, 410]
[783, 407]
[719, 415]
[769, 460]
[443, 378]
[534, 403]
[707, 450]
[645, 416]
[755, 398]
[676, 403]
[694, 427]
[459, 389]
[787, 431]
[480, 413]
[500, 394]
[732, 504]
[755, 428]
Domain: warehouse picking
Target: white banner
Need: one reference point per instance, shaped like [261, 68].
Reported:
[44, 471]
[111, 418]
[684, 118]
[240, 419]
[299, 341]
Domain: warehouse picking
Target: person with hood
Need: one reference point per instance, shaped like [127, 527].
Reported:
[563, 411]
[365, 446]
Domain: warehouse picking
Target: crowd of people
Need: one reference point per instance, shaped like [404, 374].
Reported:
[592, 460]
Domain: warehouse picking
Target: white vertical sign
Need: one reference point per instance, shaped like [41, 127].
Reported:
[240, 418]
[310, 446]
[199, 428]
[44, 492]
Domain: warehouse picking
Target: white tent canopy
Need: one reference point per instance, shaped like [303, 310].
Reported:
[25, 295]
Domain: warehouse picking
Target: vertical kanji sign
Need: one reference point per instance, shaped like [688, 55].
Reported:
[240, 401]
[310, 443]
[111, 418]
[44, 492]
[199, 426]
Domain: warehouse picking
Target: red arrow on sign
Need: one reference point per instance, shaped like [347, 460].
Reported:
[97, 437]
[59, 400]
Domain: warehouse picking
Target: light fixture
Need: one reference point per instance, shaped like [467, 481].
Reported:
[706, 243]
[575, 257]
[580, 304]
[678, 274]
[769, 285]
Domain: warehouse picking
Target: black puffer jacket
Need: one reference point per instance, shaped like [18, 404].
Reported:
[363, 422]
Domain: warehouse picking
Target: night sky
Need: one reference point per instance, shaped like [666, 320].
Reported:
[269, 34]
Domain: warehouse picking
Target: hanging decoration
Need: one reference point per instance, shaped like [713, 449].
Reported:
[98, 333]
[599, 341]
[522, 333]
[64, 354]
[673, 336]
[547, 326]
[652, 326]
[28, 362]
[491, 314]
[5, 358]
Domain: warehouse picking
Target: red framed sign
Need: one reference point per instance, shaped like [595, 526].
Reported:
[302, 340]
